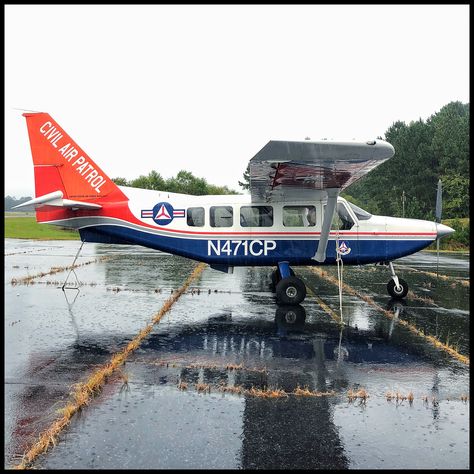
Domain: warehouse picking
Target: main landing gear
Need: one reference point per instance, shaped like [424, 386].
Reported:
[396, 287]
[289, 289]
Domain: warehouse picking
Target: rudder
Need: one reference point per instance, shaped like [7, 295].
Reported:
[61, 165]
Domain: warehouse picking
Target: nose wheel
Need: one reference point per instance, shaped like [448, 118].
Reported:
[396, 287]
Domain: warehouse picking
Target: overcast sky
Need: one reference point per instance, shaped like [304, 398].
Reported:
[204, 88]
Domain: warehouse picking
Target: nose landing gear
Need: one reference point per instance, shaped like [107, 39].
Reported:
[396, 287]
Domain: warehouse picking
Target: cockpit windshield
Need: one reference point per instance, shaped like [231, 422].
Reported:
[342, 219]
[360, 213]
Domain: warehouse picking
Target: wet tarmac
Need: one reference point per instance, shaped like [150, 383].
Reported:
[196, 393]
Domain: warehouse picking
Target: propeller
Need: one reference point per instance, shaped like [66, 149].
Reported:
[438, 212]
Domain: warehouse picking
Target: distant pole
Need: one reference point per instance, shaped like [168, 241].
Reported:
[438, 212]
[403, 203]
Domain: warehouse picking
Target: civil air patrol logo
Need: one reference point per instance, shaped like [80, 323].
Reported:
[343, 249]
[163, 213]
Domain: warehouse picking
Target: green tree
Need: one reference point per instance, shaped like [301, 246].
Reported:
[455, 190]
[120, 181]
[245, 184]
[424, 152]
[184, 182]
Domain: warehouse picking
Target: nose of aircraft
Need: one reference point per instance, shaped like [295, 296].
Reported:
[443, 230]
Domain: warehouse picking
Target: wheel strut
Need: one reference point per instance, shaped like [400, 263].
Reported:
[284, 268]
[394, 276]
[396, 287]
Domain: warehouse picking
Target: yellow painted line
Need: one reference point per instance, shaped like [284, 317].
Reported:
[324, 306]
[85, 391]
[433, 340]
[328, 310]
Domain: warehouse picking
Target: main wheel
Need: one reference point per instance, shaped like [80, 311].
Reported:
[290, 290]
[395, 292]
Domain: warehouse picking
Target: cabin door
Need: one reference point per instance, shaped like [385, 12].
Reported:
[345, 230]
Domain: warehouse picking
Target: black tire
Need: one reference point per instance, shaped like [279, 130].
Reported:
[291, 316]
[400, 293]
[276, 277]
[290, 290]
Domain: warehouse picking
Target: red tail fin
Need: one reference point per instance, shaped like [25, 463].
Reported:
[61, 165]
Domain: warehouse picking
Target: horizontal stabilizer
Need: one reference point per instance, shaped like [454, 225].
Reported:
[56, 199]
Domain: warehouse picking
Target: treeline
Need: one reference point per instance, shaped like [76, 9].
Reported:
[11, 202]
[424, 152]
[460, 240]
[184, 182]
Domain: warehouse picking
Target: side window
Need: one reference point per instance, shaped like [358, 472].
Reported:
[299, 216]
[342, 219]
[195, 216]
[256, 216]
[221, 216]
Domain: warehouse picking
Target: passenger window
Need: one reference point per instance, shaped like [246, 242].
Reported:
[256, 216]
[221, 216]
[195, 216]
[299, 216]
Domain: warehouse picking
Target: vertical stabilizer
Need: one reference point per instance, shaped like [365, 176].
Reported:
[61, 165]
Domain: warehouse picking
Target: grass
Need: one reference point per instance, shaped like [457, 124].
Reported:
[28, 228]
[361, 394]
[464, 221]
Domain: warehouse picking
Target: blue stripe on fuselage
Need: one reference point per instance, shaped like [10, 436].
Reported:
[256, 252]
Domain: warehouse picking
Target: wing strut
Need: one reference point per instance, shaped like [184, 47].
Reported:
[320, 255]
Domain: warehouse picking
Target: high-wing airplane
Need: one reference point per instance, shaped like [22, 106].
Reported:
[293, 215]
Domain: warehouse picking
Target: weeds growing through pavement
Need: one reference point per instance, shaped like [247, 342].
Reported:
[84, 392]
[432, 339]
[203, 387]
[361, 394]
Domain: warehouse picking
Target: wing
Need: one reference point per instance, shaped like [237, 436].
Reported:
[291, 170]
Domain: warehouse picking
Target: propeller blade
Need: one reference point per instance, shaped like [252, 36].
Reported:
[439, 201]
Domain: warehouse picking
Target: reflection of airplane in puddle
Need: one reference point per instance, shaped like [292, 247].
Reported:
[265, 343]
[292, 432]
[287, 219]
[293, 352]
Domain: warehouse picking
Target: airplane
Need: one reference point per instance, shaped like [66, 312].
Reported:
[293, 216]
